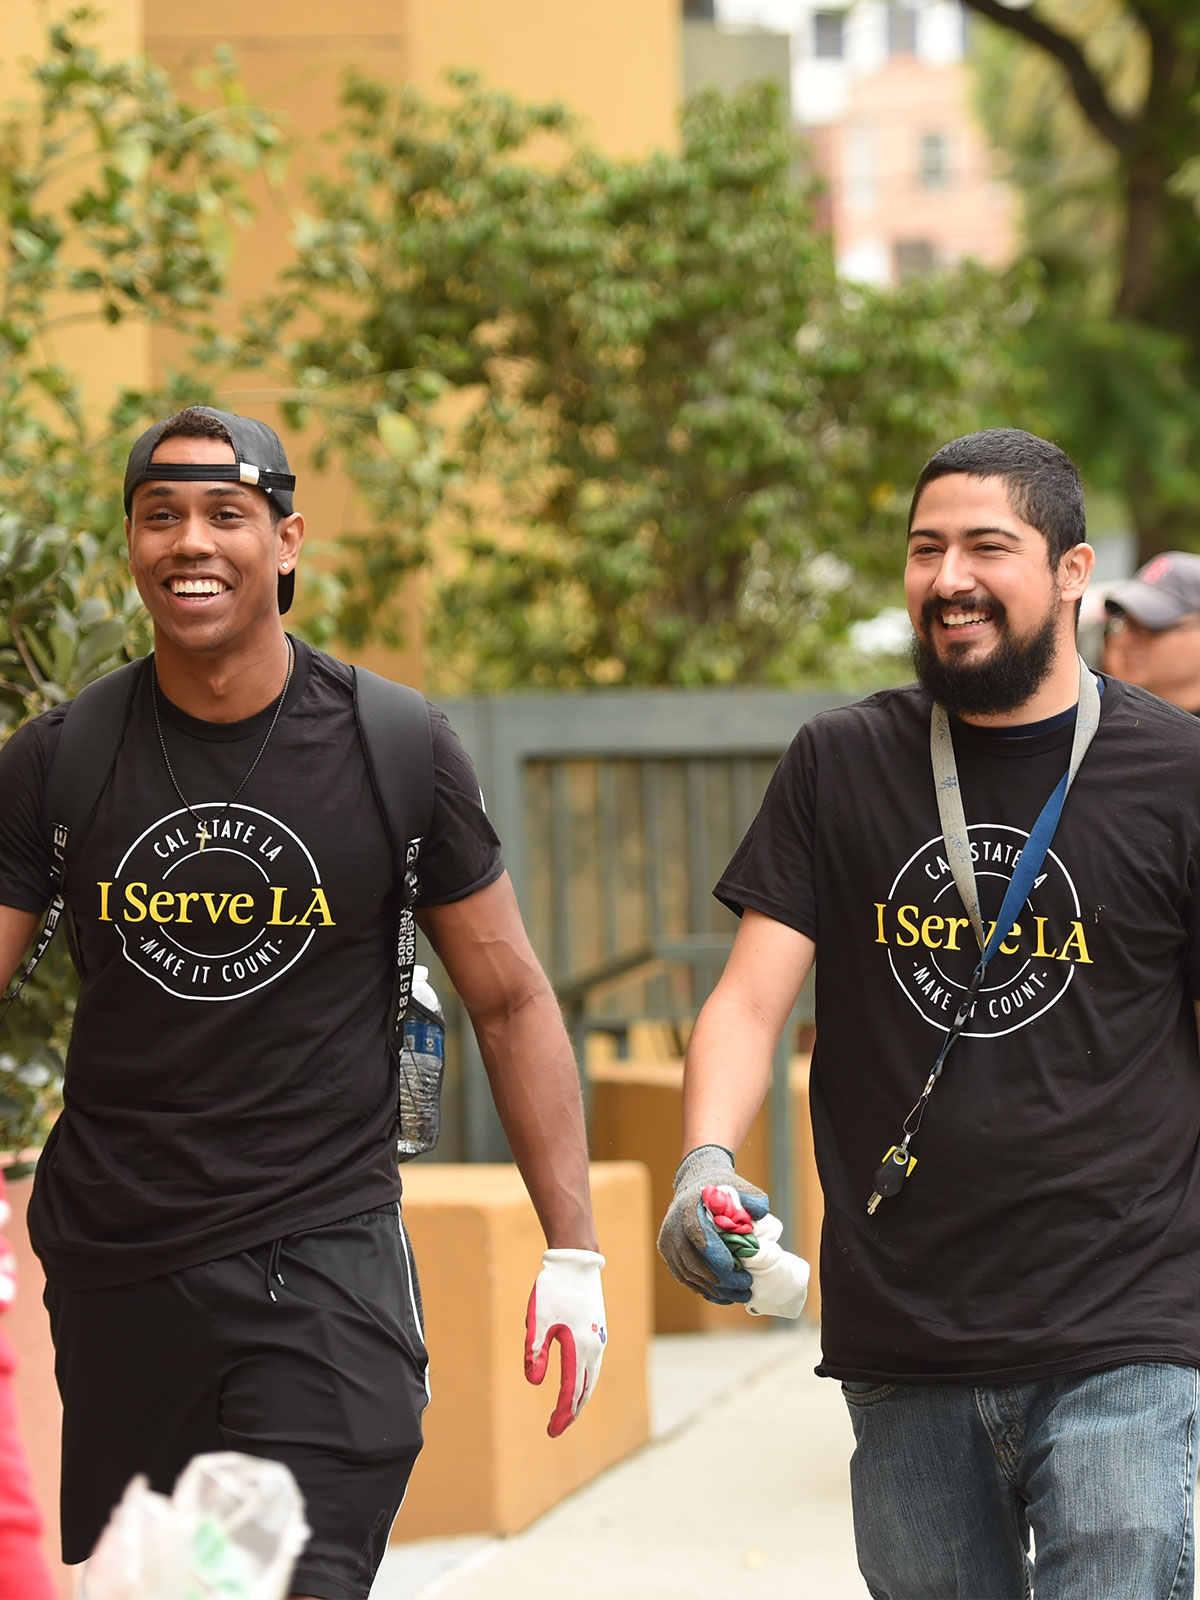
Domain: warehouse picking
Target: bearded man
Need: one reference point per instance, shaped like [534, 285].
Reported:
[999, 866]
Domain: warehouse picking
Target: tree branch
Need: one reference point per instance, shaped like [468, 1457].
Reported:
[1087, 88]
[1164, 59]
[18, 639]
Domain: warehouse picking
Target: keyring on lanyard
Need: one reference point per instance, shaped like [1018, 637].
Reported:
[898, 1163]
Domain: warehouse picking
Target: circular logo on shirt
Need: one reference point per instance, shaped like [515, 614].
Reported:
[933, 952]
[216, 902]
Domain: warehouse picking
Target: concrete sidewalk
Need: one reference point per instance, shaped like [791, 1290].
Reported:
[742, 1493]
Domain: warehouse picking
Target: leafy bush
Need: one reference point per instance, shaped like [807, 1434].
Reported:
[659, 440]
[116, 197]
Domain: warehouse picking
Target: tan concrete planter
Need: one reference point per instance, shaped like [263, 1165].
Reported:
[487, 1465]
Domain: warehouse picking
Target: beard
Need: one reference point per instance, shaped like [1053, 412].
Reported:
[1011, 674]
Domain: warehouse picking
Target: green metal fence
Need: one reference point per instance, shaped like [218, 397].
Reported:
[618, 809]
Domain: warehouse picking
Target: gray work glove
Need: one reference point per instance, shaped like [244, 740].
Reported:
[690, 1244]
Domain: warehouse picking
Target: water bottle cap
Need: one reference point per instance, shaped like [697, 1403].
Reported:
[424, 994]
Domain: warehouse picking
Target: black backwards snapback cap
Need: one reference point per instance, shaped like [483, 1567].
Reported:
[261, 463]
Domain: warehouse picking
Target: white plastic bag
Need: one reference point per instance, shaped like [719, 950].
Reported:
[233, 1528]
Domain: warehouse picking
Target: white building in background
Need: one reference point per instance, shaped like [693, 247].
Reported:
[884, 95]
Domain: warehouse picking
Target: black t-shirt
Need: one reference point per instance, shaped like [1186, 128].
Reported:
[1053, 1220]
[229, 1078]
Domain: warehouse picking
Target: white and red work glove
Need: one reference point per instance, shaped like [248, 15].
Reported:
[778, 1279]
[567, 1304]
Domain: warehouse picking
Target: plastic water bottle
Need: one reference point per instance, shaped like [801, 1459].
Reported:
[422, 1062]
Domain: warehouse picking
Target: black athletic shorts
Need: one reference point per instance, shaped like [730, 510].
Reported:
[309, 1351]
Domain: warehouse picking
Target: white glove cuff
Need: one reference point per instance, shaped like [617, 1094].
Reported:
[572, 1258]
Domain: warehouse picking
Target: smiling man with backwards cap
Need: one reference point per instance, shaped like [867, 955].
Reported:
[217, 1208]
[1152, 635]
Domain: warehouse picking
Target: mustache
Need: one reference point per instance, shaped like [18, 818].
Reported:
[1004, 680]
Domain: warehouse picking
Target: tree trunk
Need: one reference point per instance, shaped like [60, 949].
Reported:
[1145, 194]
[1158, 527]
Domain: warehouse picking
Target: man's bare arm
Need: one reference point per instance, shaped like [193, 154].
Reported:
[733, 1043]
[484, 947]
[17, 929]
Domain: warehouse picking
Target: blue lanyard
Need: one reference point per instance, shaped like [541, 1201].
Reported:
[898, 1163]
[954, 827]
[958, 853]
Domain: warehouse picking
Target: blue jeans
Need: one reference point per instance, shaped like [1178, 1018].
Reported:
[948, 1483]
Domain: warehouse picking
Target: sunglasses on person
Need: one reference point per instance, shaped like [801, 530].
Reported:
[1120, 622]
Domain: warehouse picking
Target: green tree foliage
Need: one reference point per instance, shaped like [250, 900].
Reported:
[663, 444]
[116, 197]
[1097, 103]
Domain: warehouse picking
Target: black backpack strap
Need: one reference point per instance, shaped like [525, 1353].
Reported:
[79, 772]
[85, 755]
[393, 725]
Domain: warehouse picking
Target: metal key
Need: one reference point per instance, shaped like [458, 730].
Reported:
[895, 1167]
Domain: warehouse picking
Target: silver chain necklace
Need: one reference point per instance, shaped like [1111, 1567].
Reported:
[203, 835]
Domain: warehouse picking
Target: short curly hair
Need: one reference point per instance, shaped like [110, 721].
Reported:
[1044, 486]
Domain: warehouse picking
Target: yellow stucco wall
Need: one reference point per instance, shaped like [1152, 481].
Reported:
[118, 31]
[614, 62]
[291, 55]
[105, 358]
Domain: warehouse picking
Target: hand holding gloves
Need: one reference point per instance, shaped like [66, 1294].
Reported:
[779, 1279]
[689, 1241]
[567, 1304]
